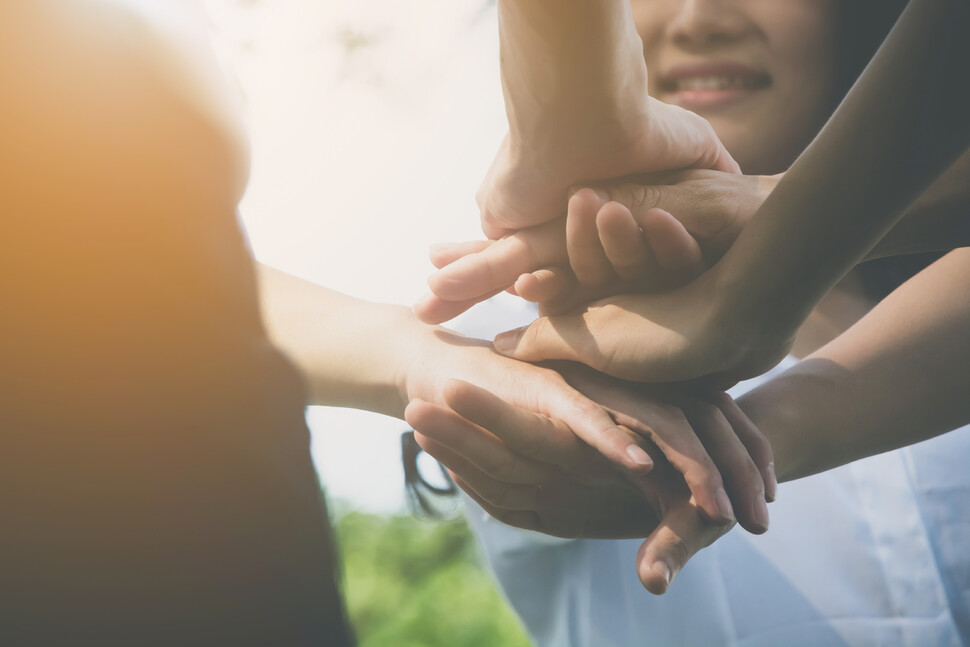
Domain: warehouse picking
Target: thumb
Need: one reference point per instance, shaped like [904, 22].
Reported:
[553, 337]
[680, 535]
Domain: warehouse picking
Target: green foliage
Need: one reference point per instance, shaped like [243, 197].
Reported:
[416, 583]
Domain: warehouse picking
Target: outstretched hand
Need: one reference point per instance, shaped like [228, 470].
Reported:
[683, 334]
[525, 480]
[528, 182]
[720, 465]
[656, 233]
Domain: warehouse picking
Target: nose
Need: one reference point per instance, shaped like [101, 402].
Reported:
[707, 23]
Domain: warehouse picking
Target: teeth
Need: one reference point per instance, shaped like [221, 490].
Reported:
[718, 83]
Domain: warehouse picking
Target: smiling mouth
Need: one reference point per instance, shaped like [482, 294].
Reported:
[716, 82]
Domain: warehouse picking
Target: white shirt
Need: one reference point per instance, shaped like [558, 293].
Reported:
[872, 553]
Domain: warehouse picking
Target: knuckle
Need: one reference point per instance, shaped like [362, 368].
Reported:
[678, 551]
[642, 196]
[705, 412]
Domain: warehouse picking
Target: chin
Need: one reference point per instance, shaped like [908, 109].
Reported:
[758, 150]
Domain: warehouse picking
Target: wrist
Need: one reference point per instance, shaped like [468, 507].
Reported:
[790, 410]
[572, 67]
[362, 365]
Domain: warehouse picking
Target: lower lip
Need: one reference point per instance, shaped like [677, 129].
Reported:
[692, 99]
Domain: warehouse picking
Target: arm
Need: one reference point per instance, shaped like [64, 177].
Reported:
[538, 491]
[380, 357]
[713, 208]
[575, 86]
[898, 376]
[740, 317]
[901, 126]
[864, 393]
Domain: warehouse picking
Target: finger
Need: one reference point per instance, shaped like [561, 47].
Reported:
[682, 532]
[678, 254]
[432, 309]
[586, 255]
[546, 285]
[693, 139]
[683, 449]
[501, 494]
[552, 337]
[622, 241]
[442, 254]
[754, 441]
[742, 479]
[525, 519]
[501, 263]
[464, 439]
[526, 433]
[724, 162]
[594, 425]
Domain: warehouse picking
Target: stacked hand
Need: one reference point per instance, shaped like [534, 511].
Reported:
[721, 463]
[524, 470]
[656, 233]
[596, 273]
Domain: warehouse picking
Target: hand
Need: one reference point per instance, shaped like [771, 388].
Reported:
[529, 181]
[683, 334]
[544, 391]
[437, 356]
[656, 233]
[522, 479]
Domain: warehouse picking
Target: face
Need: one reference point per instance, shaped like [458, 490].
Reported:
[763, 72]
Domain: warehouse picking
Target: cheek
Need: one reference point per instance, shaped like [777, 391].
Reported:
[802, 37]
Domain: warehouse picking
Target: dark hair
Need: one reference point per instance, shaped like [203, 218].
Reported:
[424, 498]
[863, 26]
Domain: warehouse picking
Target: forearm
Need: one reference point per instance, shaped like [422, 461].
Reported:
[897, 377]
[352, 353]
[571, 62]
[899, 128]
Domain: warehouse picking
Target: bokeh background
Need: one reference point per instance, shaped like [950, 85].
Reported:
[372, 124]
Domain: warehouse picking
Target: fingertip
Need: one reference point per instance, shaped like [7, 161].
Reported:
[715, 507]
[655, 575]
[771, 483]
[587, 199]
[416, 411]
[760, 520]
[639, 459]
[432, 309]
[507, 342]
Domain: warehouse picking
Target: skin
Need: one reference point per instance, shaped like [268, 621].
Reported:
[579, 54]
[861, 394]
[792, 43]
[173, 143]
[740, 317]
[773, 40]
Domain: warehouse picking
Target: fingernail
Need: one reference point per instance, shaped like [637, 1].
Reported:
[437, 247]
[508, 340]
[771, 486]
[661, 568]
[638, 456]
[724, 504]
[761, 512]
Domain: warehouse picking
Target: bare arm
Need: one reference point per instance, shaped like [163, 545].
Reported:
[901, 126]
[898, 376]
[575, 86]
[898, 130]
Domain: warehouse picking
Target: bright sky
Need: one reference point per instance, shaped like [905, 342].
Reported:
[372, 124]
